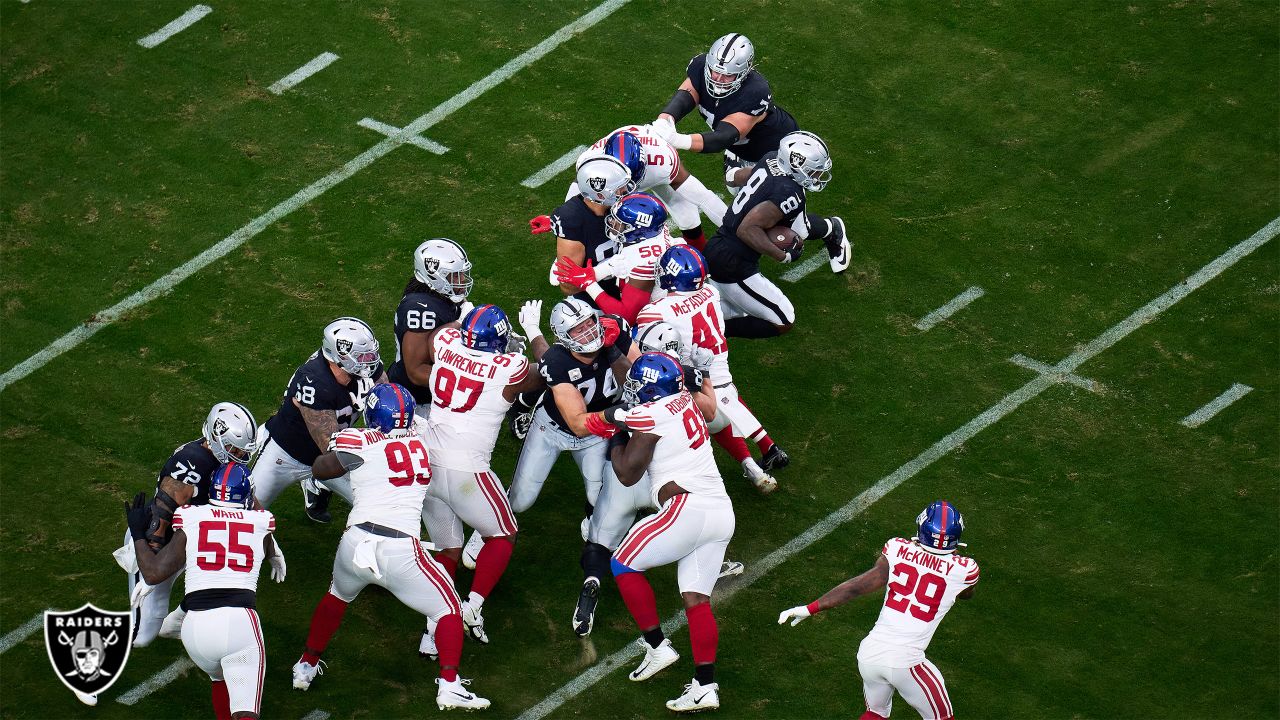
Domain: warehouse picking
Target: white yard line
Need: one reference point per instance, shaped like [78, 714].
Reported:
[819, 259]
[955, 305]
[163, 285]
[313, 66]
[157, 681]
[430, 146]
[316, 715]
[824, 527]
[1216, 405]
[1092, 386]
[553, 168]
[184, 21]
[27, 630]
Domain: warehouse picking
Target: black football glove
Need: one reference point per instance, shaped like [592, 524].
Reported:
[138, 515]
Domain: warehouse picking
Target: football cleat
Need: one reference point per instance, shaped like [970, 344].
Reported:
[520, 424]
[305, 673]
[838, 246]
[451, 695]
[471, 551]
[474, 622]
[584, 615]
[427, 646]
[763, 481]
[171, 628]
[655, 660]
[775, 459]
[316, 500]
[729, 568]
[696, 698]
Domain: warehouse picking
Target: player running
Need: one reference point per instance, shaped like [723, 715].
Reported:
[927, 579]
[221, 632]
[390, 476]
[693, 307]
[692, 527]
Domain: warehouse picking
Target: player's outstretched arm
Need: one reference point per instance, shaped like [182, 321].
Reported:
[275, 557]
[334, 464]
[631, 460]
[156, 567]
[869, 581]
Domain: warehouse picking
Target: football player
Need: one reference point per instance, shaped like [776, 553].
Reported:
[390, 474]
[229, 436]
[733, 98]
[475, 381]
[655, 167]
[693, 306]
[322, 397]
[927, 579]
[222, 632]
[773, 193]
[578, 224]
[693, 525]
[435, 297]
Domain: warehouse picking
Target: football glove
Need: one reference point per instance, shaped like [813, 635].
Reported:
[530, 317]
[569, 273]
[796, 615]
[596, 425]
[611, 329]
[664, 127]
[680, 141]
[277, 562]
[516, 343]
[140, 592]
[700, 358]
[138, 515]
[540, 224]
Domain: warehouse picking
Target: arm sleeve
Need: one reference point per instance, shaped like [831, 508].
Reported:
[680, 104]
[628, 308]
[719, 139]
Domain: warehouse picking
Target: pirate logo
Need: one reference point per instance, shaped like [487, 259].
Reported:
[797, 160]
[431, 265]
[344, 346]
[88, 648]
[597, 184]
[219, 428]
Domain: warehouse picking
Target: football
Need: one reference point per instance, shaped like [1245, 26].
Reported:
[783, 237]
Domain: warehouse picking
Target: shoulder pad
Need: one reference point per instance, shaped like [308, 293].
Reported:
[350, 440]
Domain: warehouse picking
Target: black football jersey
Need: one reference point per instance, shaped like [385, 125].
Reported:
[727, 255]
[419, 312]
[753, 98]
[595, 380]
[574, 221]
[314, 386]
[191, 464]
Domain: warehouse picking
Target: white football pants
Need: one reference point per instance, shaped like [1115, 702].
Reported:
[756, 296]
[690, 530]
[401, 565]
[542, 446]
[920, 685]
[227, 644]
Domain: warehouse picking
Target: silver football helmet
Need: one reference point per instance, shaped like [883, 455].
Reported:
[604, 179]
[231, 432]
[660, 337]
[729, 61]
[350, 344]
[442, 265]
[577, 325]
[806, 158]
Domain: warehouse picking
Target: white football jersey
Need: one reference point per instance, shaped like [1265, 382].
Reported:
[224, 546]
[922, 587]
[683, 453]
[699, 317]
[661, 160]
[637, 262]
[466, 386]
[390, 485]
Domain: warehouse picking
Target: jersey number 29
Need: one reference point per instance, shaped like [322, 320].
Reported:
[916, 593]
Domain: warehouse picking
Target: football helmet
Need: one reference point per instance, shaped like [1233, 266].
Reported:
[487, 329]
[729, 61]
[231, 432]
[626, 148]
[442, 265]
[389, 407]
[805, 157]
[660, 337]
[603, 179]
[940, 526]
[577, 325]
[681, 269]
[231, 487]
[652, 376]
[635, 218]
[350, 344]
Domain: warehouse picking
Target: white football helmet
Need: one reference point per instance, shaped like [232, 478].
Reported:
[660, 337]
[350, 344]
[231, 432]
[604, 179]
[569, 322]
[729, 61]
[442, 265]
[806, 158]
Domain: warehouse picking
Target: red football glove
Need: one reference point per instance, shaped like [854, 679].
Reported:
[611, 330]
[597, 425]
[568, 272]
[540, 224]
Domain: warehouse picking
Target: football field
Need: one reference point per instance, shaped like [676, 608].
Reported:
[1063, 315]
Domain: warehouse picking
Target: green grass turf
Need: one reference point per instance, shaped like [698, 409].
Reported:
[1075, 160]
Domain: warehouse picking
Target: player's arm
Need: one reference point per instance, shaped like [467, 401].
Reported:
[160, 566]
[575, 251]
[572, 407]
[751, 230]
[705, 398]
[630, 460]
[170, 495]
[684, 100]
[530, 381]
[967, 593]
[418, 351]
[334, 464]
[321, 424]
[870, 581]
[634, 297]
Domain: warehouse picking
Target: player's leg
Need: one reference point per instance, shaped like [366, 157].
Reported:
[922, 687]
[696, 575]
[830, 230]
[591, 455]
[274, 471]
[684, 212]
[769, 312]
[204, 635]
[245, 663]
[482, 503]
[537, 457]
[348, 580]
[611, 518]
[445, 529]
[746, 423]
[150, 614]
[877, 690]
